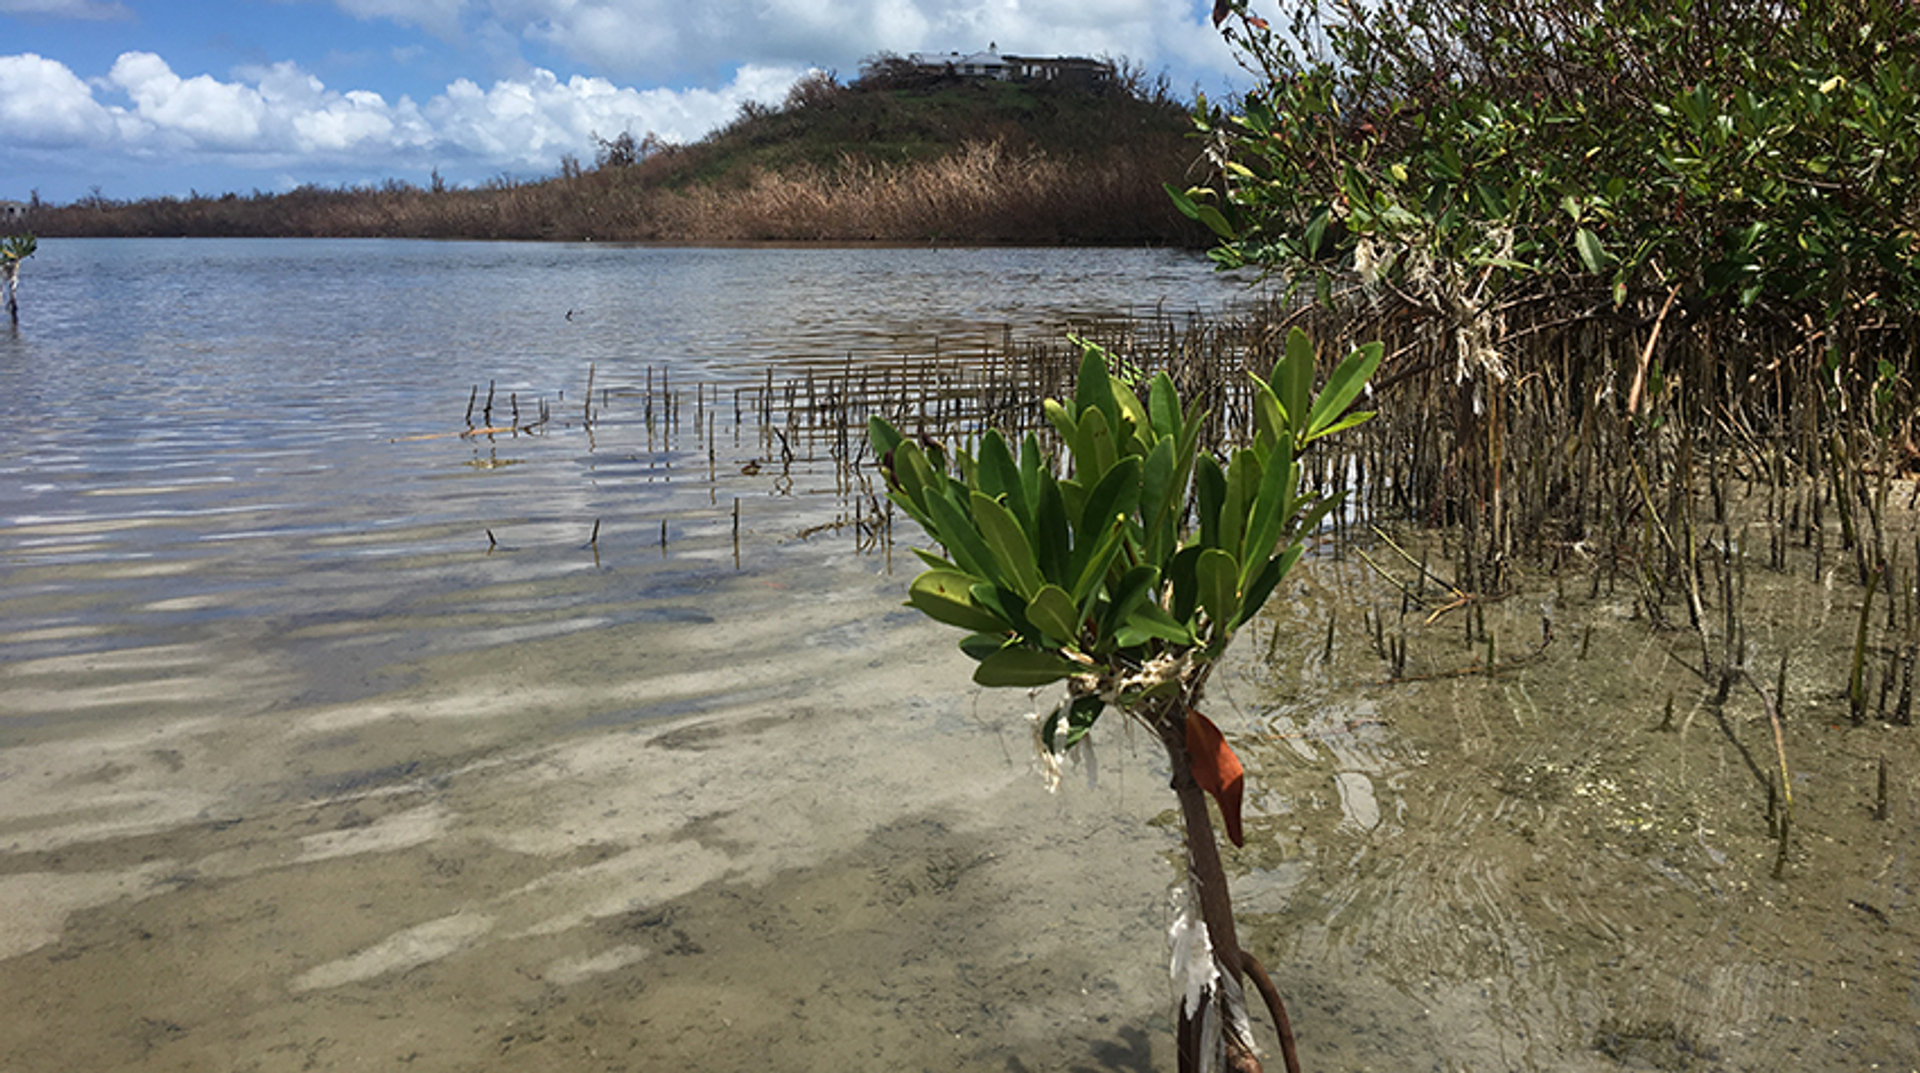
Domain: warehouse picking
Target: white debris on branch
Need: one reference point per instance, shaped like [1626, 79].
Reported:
[1195, 975]
[1053, 765]
[1203, 990]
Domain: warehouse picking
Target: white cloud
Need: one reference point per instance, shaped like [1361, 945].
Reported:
[44, 103]
[658, 36]
[532, 121]
[199, 110]
[664, 40]
[93, 10]
[278, 116]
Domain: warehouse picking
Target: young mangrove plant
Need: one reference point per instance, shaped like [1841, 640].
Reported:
[1123, 569]
[14, 250]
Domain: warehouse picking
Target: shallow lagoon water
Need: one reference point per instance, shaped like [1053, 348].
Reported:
[325, 745]
[1536, 869]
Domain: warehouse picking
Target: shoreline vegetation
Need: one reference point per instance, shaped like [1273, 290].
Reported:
[897, 155]
[1615, 256]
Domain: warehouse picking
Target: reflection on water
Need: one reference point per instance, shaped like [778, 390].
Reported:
[225, 437]
[274, 642]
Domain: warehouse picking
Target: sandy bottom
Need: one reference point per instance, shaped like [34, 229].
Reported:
[787, 834]
[840, 859]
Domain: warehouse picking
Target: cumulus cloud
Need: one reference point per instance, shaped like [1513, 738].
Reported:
[531, 121]
[267, 117]
[200, 110]
[42, 103]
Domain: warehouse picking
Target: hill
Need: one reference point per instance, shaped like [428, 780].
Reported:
[895, 156]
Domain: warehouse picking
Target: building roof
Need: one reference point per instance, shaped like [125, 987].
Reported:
[955, 59]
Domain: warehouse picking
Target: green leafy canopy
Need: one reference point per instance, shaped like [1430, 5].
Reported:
[1740, 153]
[1137, 545]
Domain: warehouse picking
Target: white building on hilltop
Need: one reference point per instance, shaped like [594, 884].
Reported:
[1075, 71]
[988, 64]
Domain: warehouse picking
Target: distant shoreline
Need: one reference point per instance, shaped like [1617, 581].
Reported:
[946, 163]
[662, 244]
[982, 194]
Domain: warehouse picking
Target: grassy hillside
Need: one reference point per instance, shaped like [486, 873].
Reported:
[823, 124]
[949, 160]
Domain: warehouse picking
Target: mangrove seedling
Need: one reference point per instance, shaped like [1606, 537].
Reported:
[14, 250]
[1123, 568]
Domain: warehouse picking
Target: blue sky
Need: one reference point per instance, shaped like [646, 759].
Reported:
[142, 98]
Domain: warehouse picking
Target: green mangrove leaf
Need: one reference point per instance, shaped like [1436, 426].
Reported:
[1093, 571]
[1018, 665]
[882, 435]
[1082, 713]
[1052, 535]
[1199, 211]
[1094, 390]
[1316, 233]
[1210, 484]
[1129, 592]
[1344, 386]
[1186, 447]
[1007, 540]
[958, 534]
[966, 469]
[1033, 463]
[1264, 581]
[1007, 605]
[945, 596]
[1163, 407]
[1095, 451]
[1053, 613]
[1115, 497]
[1073, 496]
[1134, 434]
[1157, 491]
[1243, 487]
[1150, 621]
[979, 646]
[1078, 714]
[933, 561]
[1182, 576]
[1273, 505]
[1270, 421]
[912, 479]
[1065, 421]
[1293, 379]
[1000, 477]
[1357, 417]
[1218, 574]
[1592, 254]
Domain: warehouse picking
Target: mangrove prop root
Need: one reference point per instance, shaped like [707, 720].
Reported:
[1264, 984]
[1188, 1040]
[1209, 879]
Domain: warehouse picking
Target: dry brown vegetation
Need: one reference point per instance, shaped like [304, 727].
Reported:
[984, 192]
[959, 163]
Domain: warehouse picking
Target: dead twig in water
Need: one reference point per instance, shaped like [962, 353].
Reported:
[1461, 598]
